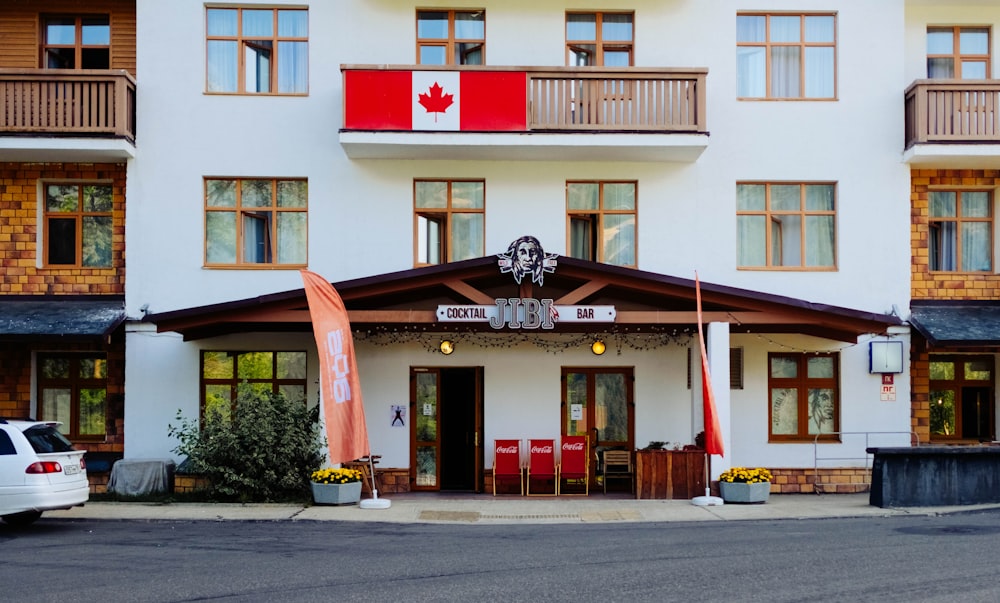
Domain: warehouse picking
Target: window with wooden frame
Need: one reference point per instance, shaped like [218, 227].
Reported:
[601, 221]
[804, 396]
[451, 37]
[257, 50]
[73, 389]
[786, 225]
[222, 373]
[448, 220]
[599, 39]
[78, 225]
[960, 231]
[962, 397]
[786, 56]
[255, 222]
[958, 53]
[76, 42]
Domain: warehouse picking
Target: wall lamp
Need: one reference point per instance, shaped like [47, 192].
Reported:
[447, 346]
[598, 347]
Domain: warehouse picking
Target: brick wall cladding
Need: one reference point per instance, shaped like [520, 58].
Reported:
[20, 228]
[925, 285]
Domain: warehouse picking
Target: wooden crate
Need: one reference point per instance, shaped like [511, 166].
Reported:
[674, 474]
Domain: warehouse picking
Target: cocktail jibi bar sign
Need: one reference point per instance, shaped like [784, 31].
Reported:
[525, 313]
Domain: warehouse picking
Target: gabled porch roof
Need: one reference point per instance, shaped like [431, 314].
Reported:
[644, 301]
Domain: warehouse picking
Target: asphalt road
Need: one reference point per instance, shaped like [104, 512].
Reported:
[942, 558]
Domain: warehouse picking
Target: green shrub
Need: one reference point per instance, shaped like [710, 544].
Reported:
[264, 452]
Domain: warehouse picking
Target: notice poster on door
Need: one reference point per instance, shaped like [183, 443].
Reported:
[397, 415]
[576, 412]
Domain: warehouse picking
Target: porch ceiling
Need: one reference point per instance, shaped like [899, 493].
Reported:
[644, 301]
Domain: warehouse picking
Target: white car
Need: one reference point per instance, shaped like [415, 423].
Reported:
[39, 471]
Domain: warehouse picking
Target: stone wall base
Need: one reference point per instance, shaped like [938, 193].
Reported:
[846, 480]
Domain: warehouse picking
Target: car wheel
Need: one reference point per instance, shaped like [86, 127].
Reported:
[24, 518]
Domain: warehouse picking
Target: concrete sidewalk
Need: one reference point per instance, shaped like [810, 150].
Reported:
[483, 509]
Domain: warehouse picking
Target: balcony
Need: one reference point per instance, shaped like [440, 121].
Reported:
[524, 113]
[66, 115]
[952, 123]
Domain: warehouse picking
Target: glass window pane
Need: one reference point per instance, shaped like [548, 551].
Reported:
[292, 393]
[62, 241]
[976, 245]
[466, 236]
[973, 70]
[943, 204]
[821, 411]
[291, 365]
[611, 406]
[941, 68]
[978, 370]
[57, 406]
[819, 72]
[91, 416]
[219, 399]
[97, 198]
[60, 198]
[942, 370]
[96, 32]
[292, 228]
[940, 41]
[222, 22]
[785, 71]
[619, 196]
[470, 26]
[55, 368]
[428, 240]
[751, 197]
[258, 23]
[426, 463]
[431, 194]
[293, 68]
[468, 54]
[222, 62]
[619, 239]
[616, 58]
[255, 365]
[784, 367]
[583, 55]
[292, 193]
[60, 31]
[786, 29]
[221, 193]
[752, 240]
[974, 41]
[819, 241]
[942, 412]
[220, 227]
[581, 237]
[96, 241]
[784, 411]
[976, 204]
[432, 24]
[751, 28]
[819, 28]
[217, 365]
[293, 23]
[467, 195]
[426, 419]
[820, 367]
[787, 250]
[819, 197]
[256, 193]
[786, 197]
[95, 58]
[752, 72]
[616, 28]
[93, 368]
[257, 66]
[581, 26]
[583, 195]
[576, 394]
[433, 55]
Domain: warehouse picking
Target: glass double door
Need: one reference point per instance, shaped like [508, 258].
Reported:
[598, 402]
[446, 450]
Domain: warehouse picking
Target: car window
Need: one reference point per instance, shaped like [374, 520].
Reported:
[6, 446]
[45, 438]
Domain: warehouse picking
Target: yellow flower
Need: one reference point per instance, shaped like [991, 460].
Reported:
[746, 475]
[335, 476]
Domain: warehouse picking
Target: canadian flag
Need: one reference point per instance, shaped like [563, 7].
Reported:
[481, 101]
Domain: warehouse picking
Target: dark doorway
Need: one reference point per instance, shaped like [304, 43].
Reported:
[977, 413]
[446, 431]
[458, 428]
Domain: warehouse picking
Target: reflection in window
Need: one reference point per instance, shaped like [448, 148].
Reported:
[602, 221]
[223, 372]
[254, 51]
[449, 218]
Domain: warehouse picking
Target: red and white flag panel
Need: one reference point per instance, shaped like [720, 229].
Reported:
[713, 432]
[343, 408]
[471, 101]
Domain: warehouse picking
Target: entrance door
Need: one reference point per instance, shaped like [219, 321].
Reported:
[446, 428]
[597, 402]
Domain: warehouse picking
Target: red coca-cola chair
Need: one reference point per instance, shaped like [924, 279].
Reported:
[542, 465]
[507, 463]
[574, 463]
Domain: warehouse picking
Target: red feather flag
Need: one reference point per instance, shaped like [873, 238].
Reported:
[343, 408]
[713, 433]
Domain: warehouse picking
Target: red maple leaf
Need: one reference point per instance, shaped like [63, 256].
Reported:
[435, 102]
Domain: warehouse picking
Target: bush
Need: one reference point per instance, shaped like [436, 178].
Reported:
[265, 452]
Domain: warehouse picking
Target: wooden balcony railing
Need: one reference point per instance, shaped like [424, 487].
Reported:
[61, 102]
[952, 111]
[650, 100]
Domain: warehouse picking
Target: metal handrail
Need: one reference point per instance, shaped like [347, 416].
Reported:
[816, 458]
